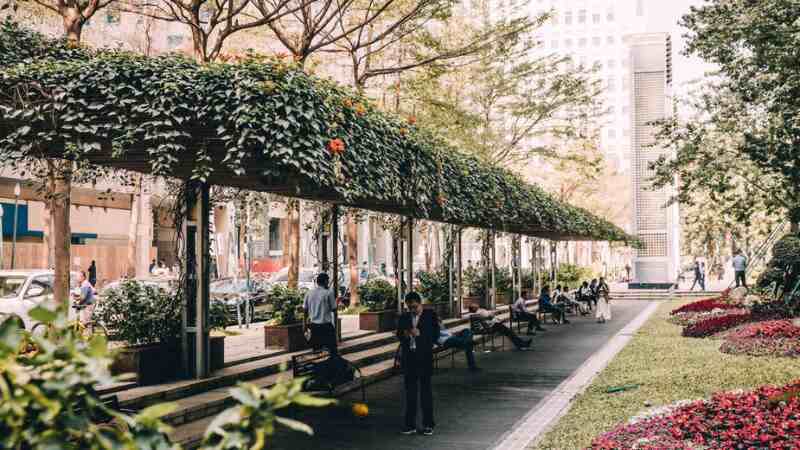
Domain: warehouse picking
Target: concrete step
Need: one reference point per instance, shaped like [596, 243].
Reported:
[194, 412]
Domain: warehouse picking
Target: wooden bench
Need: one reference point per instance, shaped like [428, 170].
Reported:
[305, 365]
[479, 328]
[542, 315]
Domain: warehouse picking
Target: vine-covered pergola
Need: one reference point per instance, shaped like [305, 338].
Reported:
[260, 124]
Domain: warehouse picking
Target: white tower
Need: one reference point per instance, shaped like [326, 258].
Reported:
[657, 263]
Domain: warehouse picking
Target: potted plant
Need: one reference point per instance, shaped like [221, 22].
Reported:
[147, 319]
[285, 330]
[435, 290]
[217, 321]
[380, 299]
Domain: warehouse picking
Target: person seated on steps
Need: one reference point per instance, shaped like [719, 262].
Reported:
[523, 315]
[547, 306]
[462, 341]
[495, 326]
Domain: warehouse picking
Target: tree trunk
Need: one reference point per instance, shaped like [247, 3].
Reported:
[293, 241]
[61, 230]
[352, 257]
[133, 227]
[73, 25]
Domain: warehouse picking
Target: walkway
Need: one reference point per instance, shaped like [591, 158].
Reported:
[473, 411]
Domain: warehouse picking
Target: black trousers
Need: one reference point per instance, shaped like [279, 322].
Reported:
[530, 318]
[324, 335]
[418, 369]
[507, 332]
[740, 278]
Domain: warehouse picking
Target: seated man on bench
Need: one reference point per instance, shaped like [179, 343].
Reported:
[547, 306]
[524, 316]
[462, 341]
[494, 326]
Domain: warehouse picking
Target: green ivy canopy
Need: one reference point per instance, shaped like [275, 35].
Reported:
[260, 124]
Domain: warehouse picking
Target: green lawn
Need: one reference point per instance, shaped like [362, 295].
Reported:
[669, 368]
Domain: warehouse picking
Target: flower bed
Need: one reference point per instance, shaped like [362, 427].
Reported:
[715, 325]
[690, 318]
[768, 338]
[764, 418]
[704, 305]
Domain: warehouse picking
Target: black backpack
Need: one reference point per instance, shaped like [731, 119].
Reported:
[330, 373]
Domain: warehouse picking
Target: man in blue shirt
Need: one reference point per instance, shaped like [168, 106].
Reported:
[319, 305]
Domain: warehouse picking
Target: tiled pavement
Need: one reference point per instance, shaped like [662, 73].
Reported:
[473, 411]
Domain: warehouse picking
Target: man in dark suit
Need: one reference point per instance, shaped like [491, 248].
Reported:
[418, 330]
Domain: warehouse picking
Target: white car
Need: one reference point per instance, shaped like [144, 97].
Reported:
[21, 290]
[306, 280]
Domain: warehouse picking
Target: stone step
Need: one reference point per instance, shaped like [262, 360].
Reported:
[195, 412]
[138, 397]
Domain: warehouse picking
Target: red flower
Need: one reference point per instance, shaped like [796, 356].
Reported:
[336, 146]
[411, 120]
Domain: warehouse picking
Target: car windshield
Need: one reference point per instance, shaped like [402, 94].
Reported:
[11, 285]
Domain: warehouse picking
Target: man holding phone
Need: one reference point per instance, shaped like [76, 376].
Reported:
[418, 330]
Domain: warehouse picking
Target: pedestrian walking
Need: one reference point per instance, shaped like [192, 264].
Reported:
[698, 276]
[702, 275]
[418, 330]
[603, 301]
[740, 268]
[627, 272]
[92, 271]
[319, 305]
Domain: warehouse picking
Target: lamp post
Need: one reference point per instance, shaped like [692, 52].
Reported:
[1, 236]
[17, 192]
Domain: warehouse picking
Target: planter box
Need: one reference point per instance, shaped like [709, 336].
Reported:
[285, 337]
[479, 300]
[153, 364]
[378, 321]
[217, 352]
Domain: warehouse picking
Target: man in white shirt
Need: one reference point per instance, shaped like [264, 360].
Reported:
[523, 315]
[495, 326]
[319, 306]
[740, 268]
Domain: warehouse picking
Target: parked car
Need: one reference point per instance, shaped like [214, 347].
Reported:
[234, 292]
[166, 283]
[21, 290]
[306, 280]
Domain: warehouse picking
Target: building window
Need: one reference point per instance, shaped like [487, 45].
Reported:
[596, 41]
[625, 85]
[610, 40]
[582, 16]
[626, 109]
[582, 42]
[275, 240]
[610, 15]
[640, 8]
[568, 18]
[611, 110]
[596, 18]
[612, 133]
[611, 64]
[583, 61]
[626, 132]
[612, 84]
[568, 43]
[554, 44]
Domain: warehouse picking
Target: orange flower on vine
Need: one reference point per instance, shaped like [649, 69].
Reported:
[360, 109]
[411, 120]
[336, 146]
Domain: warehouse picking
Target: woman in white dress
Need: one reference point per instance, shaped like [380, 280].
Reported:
[603, 302]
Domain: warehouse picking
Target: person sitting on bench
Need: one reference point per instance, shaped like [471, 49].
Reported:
[585, 295]
[547, 306]
[495, 326]
[563, 297]
[462, 341]
[319, 305]
[524, 316]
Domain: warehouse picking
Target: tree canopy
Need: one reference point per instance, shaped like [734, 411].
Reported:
[260, 124]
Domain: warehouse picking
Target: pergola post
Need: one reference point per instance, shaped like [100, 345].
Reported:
[195, 341]
[492, 263]
[335, 268]
[410, 255]
[459, 276]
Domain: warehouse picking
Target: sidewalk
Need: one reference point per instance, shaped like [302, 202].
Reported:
[473, 411]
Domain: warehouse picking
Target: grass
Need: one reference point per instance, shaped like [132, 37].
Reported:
[669, 368]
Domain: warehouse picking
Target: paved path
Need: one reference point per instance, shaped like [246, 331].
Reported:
[473, 411]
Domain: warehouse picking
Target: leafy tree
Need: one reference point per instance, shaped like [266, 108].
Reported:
[722, 190]
[755, 46]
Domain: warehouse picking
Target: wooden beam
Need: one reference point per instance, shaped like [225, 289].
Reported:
[33, 191]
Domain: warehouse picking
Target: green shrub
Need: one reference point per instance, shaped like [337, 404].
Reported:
[377, 295]
[434, 286]
[477, 282]
[49, 399]
[139, 313]
[287, 305]
[572, 274]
